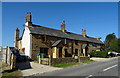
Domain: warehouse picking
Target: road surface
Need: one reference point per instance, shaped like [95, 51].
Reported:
[101, 68]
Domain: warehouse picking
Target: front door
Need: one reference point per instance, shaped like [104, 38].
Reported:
[44, 51]
[60, 52]
[86, 51]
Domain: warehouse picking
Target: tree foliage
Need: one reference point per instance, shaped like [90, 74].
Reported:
[113, 46]
[112, 43]
[108, 39]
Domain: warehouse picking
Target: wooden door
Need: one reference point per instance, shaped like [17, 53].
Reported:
[60, 52]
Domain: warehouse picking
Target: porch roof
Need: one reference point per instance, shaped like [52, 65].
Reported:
[56, 43]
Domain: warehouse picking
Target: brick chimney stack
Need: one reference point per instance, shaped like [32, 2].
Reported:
[83, 33]
[63, 26]
[28, 19]
[16, 37]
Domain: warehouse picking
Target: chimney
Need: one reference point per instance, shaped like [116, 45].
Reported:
[98, 38]
[83, 33]
[28, 19]
[63, 26]
[16, 37]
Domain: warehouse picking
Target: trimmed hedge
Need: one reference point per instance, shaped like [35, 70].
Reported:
[103, 54]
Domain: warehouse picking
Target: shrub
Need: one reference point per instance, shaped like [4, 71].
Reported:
[103, 54]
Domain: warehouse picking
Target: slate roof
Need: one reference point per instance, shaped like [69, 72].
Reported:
[36, 29]
[84, 46]
[56, 43]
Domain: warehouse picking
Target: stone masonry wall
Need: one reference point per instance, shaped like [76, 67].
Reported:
[82, 58]
[63, 60]
[37, 43]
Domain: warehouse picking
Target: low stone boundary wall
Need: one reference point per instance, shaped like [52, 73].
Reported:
[63, 60]
[84, 58]
[52, 61]
[44, 61]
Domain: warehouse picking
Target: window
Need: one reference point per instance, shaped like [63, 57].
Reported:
[76, 52]
[67, 54]
[44, 51]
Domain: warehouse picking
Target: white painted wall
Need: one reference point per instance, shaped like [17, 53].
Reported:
[27, 42]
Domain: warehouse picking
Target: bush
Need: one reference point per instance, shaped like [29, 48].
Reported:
[103, 54]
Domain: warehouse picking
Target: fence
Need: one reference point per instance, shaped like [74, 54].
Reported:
[6, 54]
[3, 52]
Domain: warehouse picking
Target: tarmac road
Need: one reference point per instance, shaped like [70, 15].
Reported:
[101, 68]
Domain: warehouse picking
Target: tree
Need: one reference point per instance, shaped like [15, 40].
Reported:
[108, 39]
[115, 45]
[119, 45]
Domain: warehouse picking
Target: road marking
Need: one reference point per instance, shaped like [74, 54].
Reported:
[89, 76]
[110, 67]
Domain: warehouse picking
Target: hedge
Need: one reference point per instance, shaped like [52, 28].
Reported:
[103, 54]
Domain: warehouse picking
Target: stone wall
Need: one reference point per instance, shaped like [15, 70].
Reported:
[63, 60]
[71, 46]
[37, 43]
[82, 58]
[53, 61]
[44, 61]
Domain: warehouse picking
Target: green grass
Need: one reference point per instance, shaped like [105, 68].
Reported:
[65, 65]
[71, 64]
[16, 73]
[9, 73]
[89, 61]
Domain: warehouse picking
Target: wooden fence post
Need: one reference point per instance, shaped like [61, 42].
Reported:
[79, 59]
[50, 60]
[39, 59]
[13, 61]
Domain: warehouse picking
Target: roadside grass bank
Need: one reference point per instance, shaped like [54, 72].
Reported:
[71, 64]
[12, 74]
[65, 65]
[9, 73]
[89, 61]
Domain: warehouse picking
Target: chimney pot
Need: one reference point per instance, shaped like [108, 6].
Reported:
[29, 13]
[28, 19]
[98, 38]
[84, 33]
[63, 26]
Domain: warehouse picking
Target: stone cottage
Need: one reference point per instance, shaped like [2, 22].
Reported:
[52, 42]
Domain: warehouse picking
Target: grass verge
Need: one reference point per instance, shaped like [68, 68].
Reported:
[71, 64]
[9, 73]
[15, 73]
[89, 61]
[65, 65]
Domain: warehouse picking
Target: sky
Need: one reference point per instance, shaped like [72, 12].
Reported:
[60, 0]
[98, 18]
